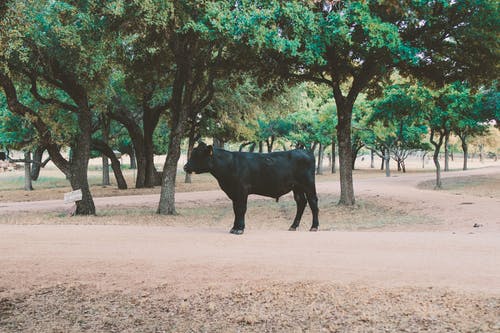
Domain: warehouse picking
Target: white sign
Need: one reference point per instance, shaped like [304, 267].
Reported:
[73, 196]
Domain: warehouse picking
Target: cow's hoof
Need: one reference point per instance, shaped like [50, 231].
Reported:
[313, 229]
[236, 231]
[292, 229]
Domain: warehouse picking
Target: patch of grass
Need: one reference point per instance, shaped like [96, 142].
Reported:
[483, 186]
[262, 214]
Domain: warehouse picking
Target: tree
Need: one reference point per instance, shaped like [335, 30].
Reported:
[57, 51]
[17, 134]
[395, 124]
[352, 46]
[472, 113]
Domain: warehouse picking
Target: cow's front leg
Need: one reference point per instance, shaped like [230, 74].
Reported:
[240, 208]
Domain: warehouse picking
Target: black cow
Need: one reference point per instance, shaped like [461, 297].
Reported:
[271, 175]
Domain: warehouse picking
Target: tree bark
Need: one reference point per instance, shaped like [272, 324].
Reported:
[135, 132]
[151, 118]
[182, 95]
[334, 157]
[344, 114]
[446, 152]
[437, 147]
[191, 142]
[387, 159]
[37, 165]
[133, 161]
[28, 185]
[319, 169]
[372, 159]
[105, 162]
[465, 148]
[102, 147]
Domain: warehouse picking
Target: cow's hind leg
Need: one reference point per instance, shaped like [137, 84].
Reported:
[240, 208]
[300, 199]
[312, 198]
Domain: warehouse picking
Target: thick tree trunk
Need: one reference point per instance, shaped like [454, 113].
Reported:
[344, 113]
[167, 195]
[28, 185]
[182, 95]
[150, 121]
[137, 137]
[80, 162]
[37, 165]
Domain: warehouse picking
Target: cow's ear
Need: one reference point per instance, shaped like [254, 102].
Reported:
[210, 150]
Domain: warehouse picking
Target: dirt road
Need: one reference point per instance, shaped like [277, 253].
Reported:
[375, 279]
[121, 256]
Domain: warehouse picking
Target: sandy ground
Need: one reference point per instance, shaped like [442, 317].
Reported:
[442, 277]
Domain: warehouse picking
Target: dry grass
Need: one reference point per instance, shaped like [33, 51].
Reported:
[483, 186]
[367, 214]
[265, 307]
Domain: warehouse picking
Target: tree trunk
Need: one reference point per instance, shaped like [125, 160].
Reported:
[423, 160]
[372, 159]
[80, 162]
[191, 143]
[182, 94]
[319, 169]
[115, 163]
[133, 162]
[446, 152]
[136, 135]
[344, 114]
[270, 143]
[465, 148]
[105, 171]
[28, 185]
[437, 148]
[387, 158]
[151, 118]
[334, 157]
[105, 162]
[37, 165]
[481, 153]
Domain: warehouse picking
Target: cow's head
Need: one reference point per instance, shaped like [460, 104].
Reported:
[199, 161]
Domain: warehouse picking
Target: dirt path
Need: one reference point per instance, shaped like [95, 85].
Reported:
[122, 257]
[455, 255]
[138, 278]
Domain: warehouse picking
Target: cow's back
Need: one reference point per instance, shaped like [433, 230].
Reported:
[275, 174]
